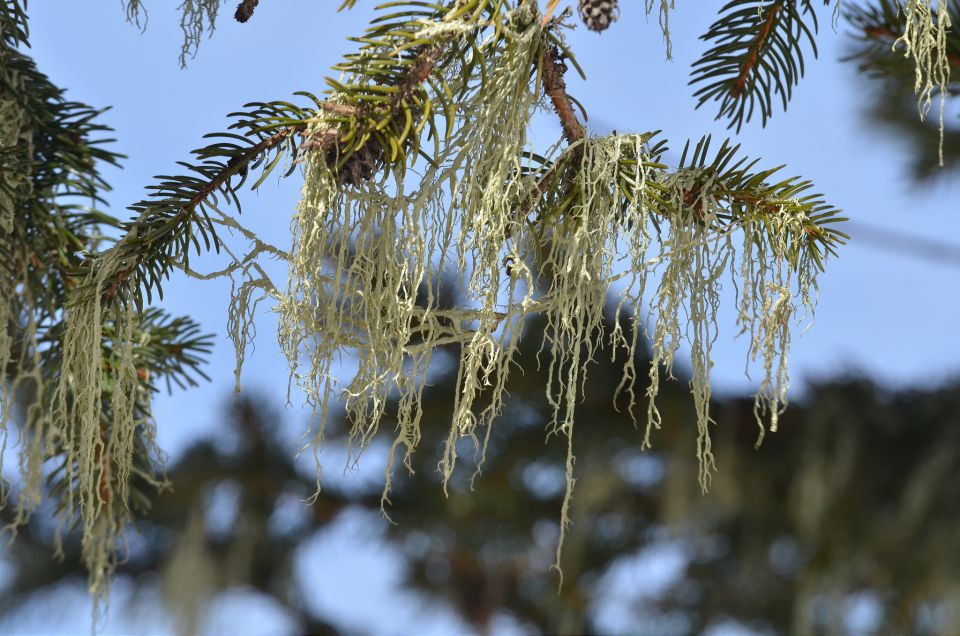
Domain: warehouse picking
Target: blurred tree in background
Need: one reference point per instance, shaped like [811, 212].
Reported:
[852, 507]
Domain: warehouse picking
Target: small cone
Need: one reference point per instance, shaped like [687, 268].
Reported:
[598, 14]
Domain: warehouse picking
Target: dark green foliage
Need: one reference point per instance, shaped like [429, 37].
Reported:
[13, 23]
[757, 55]
[176, 216]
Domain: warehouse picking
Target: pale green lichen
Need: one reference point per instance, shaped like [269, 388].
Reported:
[925, 40]
[15, 182]
[35, 429]
[665, 6]
[245, 296]
[366, 261]
[579, 263]
[196, 18]
[362, 254]
[16, 143]
[98, 453]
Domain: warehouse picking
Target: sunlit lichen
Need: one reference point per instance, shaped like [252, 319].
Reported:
[97, 439]
[553, 237]
[363, 254]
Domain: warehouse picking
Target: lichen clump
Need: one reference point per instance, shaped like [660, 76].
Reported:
[367, 261]
[97, 407]
[196, 18]
[665, 7]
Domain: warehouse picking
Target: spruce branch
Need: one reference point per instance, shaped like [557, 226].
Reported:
[13, 24]
[757, 53]
[51, 151]
[369, 121]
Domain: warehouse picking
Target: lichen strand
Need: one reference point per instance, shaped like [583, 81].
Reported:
[605, 236]
[15, 142]
[98, 442]
[772, 291]
[579, 262]
[359, 259]
[925, 40]
[697, 250]
[490, 231]
[666, 6]
[196, 17]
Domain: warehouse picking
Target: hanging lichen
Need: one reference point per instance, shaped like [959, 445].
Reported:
[362, 255]
[367, 255]
[98, 452]
[196, 18]
[527, 234]
[19, 351]
[925, 40]
[666, 6]
[16, 141]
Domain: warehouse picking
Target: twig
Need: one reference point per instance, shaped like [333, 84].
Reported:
[754, 54]
[556, 89]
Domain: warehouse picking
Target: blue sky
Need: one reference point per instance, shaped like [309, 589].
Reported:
[880, 312]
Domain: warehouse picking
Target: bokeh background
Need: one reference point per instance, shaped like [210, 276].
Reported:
[845, 521]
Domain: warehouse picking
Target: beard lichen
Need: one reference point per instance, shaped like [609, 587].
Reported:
[16, 140]
[97, 437]
[364, 255]
[196, 17]
[925, 40]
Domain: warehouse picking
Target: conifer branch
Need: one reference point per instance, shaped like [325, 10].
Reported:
[757, 52]
[364, 124]
[760, 40]
[180, 220]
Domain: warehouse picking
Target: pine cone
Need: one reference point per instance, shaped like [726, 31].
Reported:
[245, 10]
[362, 165]
[367, 162]
[598, 14]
